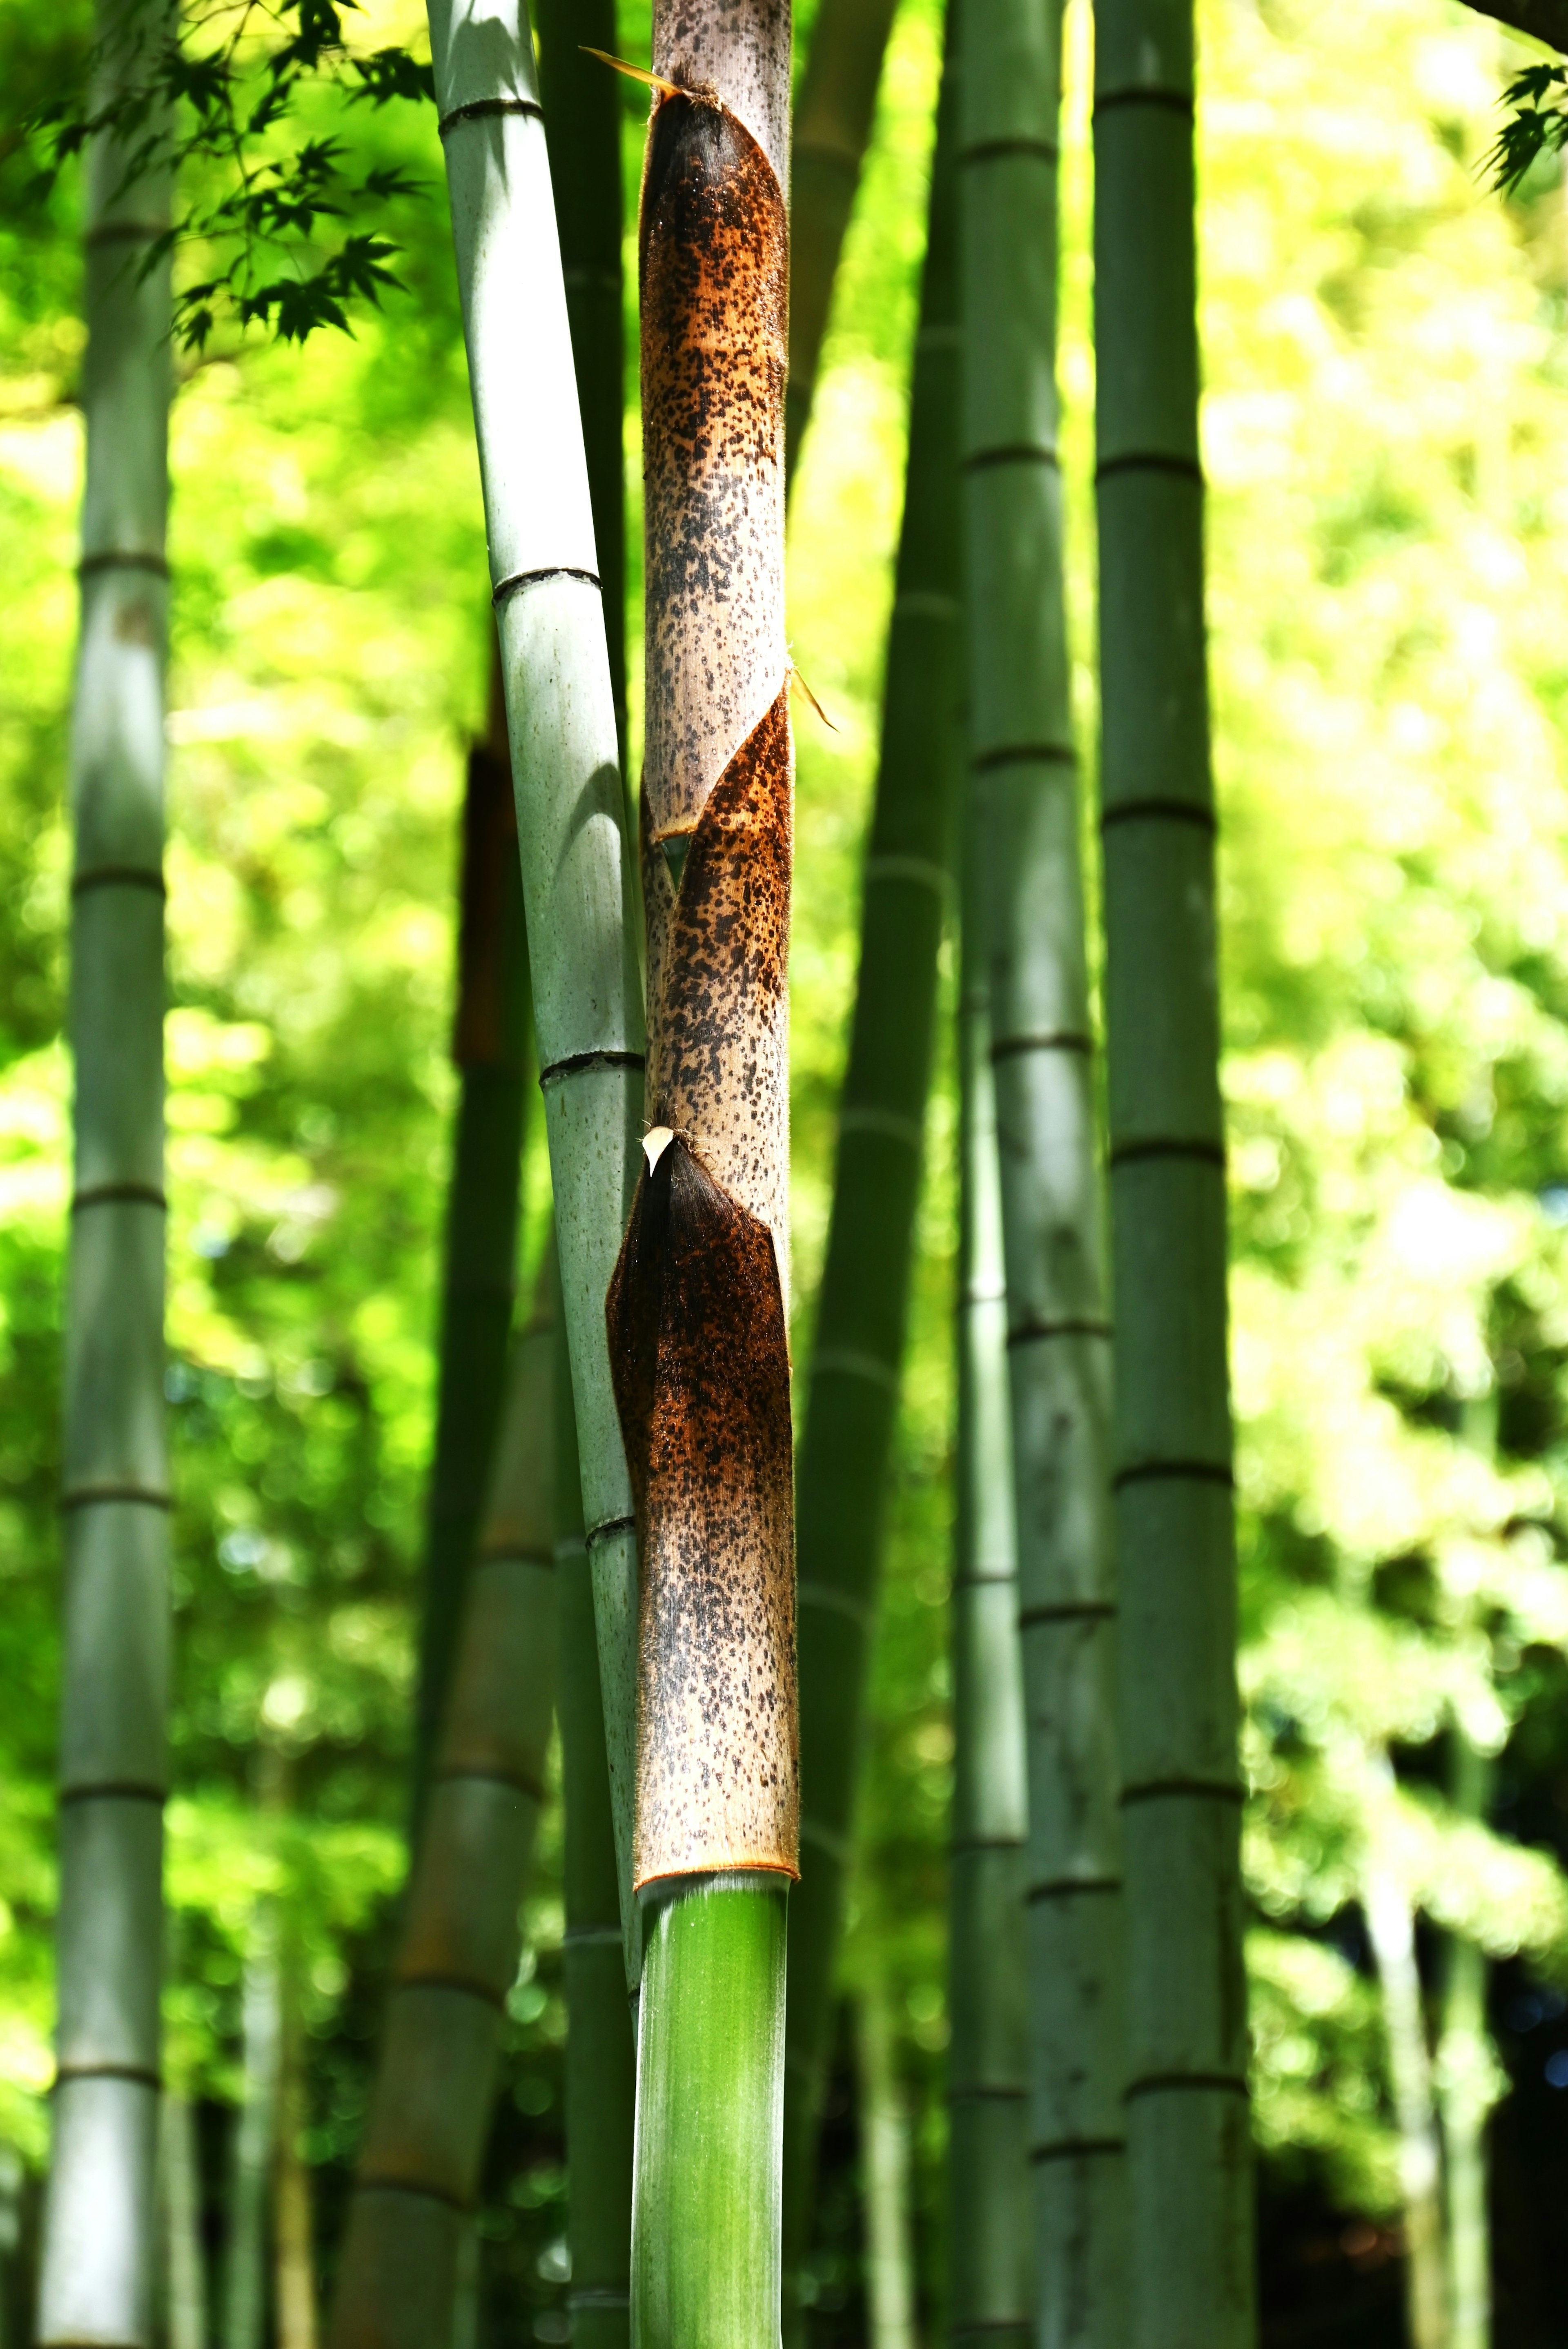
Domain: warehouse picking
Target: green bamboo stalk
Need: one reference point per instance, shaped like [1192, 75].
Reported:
[1189, 2147]
[1030, 907]
[989, 2263]
[1466, 2079]
[184, 2253]
[853, 1398]
[885, 2172]
[577, 884]
[1391, 1929]
[582, 123]
[254, 2138]
[833, 118]
[490, 1048]
[101, 2232]
[601, 2052]
[429, 2112]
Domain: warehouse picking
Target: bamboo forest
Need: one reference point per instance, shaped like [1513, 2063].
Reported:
[784, 1174]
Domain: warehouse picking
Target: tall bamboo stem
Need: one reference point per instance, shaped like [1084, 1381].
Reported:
[833, 118]
[577, 882]
[1466, 2073]
[490, 1046]
[884, 2163]
[1188, 2140]
[429, 2112]
[254, 2140]
[100, 2234]
[293, 2250]
[185, 2259]
[601, 2055]
[990, 2263]
[1030, 909]
[853, 1398]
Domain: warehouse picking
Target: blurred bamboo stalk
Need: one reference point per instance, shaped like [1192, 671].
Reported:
[884, 2163]
[255, 2138]
[863, 1303]
[601, 2053]
[100, 2228]
[294, 2297]
[490, 1049]
[1467, 2084]
[561, 721]
[185, 2258]
[833, 118]
[1028, 920]
[1189, 2142]
[990, 2266]
[1391, 1930]
[430, 2112]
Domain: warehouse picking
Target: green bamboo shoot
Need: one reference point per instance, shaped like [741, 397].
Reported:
[100, 2231]
[429, 2114]
[991, 2267]
[601, 2053]
[561, 724]
[852, 1403]
[1187, 2119]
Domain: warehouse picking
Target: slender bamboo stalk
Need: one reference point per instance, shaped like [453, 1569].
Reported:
[601, 2053]
[1030, 907]
[1466, 2078]
[185, 2258]
[1188, 2139]
[490, 1046]
[429, 2112]
[852, 1402]
[885, 2160]
[699, 1307]
[294, 2250]
[833, 118]
[254, 2140]
[1391, 1930]
[991, 2269]
[577, 882]
[582, 123]
[101, 2232]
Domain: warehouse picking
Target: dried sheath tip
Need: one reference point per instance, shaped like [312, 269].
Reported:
[655, 1142]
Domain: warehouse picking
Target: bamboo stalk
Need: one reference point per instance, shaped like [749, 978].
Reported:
[294, 2250]
[853, 1397]
[577, 883]
[833, 118]
[185, 2258]
[1466, 2078]
[100, 2234]
[1190, 2169]
[601, 2056]
[254, 2138]
[885, 2161]
[429, 2112]
[1030, 911]
[490, 1048]
[699, 1308]
[991, 2268]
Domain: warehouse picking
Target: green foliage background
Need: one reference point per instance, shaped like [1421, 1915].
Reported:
[1385, 425]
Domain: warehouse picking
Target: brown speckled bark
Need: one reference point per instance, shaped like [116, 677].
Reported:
[699, 1307]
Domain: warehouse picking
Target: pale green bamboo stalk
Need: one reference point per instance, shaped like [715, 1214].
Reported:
[601, 2053]
[490, 1049]
[100, 2233]
[885, 2164]
[184, 2254]
[254, 2138]
[430, 2111]
[1191, 2261]
[1030, 910]
[1466, 2079]
[989, 2263]
[1391, 1930]
[833, 118]
[587, 1011]
[862, 1309]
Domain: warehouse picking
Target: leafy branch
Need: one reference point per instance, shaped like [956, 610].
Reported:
[283, 214]
[1536, 126]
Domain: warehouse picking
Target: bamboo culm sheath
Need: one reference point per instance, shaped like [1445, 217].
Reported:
[1028, 907]
[101, 2232]
[490, 1048]
[601, 2051]
[561, 723]
[853, 1398]
[1188, 2143]
[429, 2112]
[990, 2259]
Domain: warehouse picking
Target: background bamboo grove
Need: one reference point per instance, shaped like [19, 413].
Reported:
[1378, 415]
